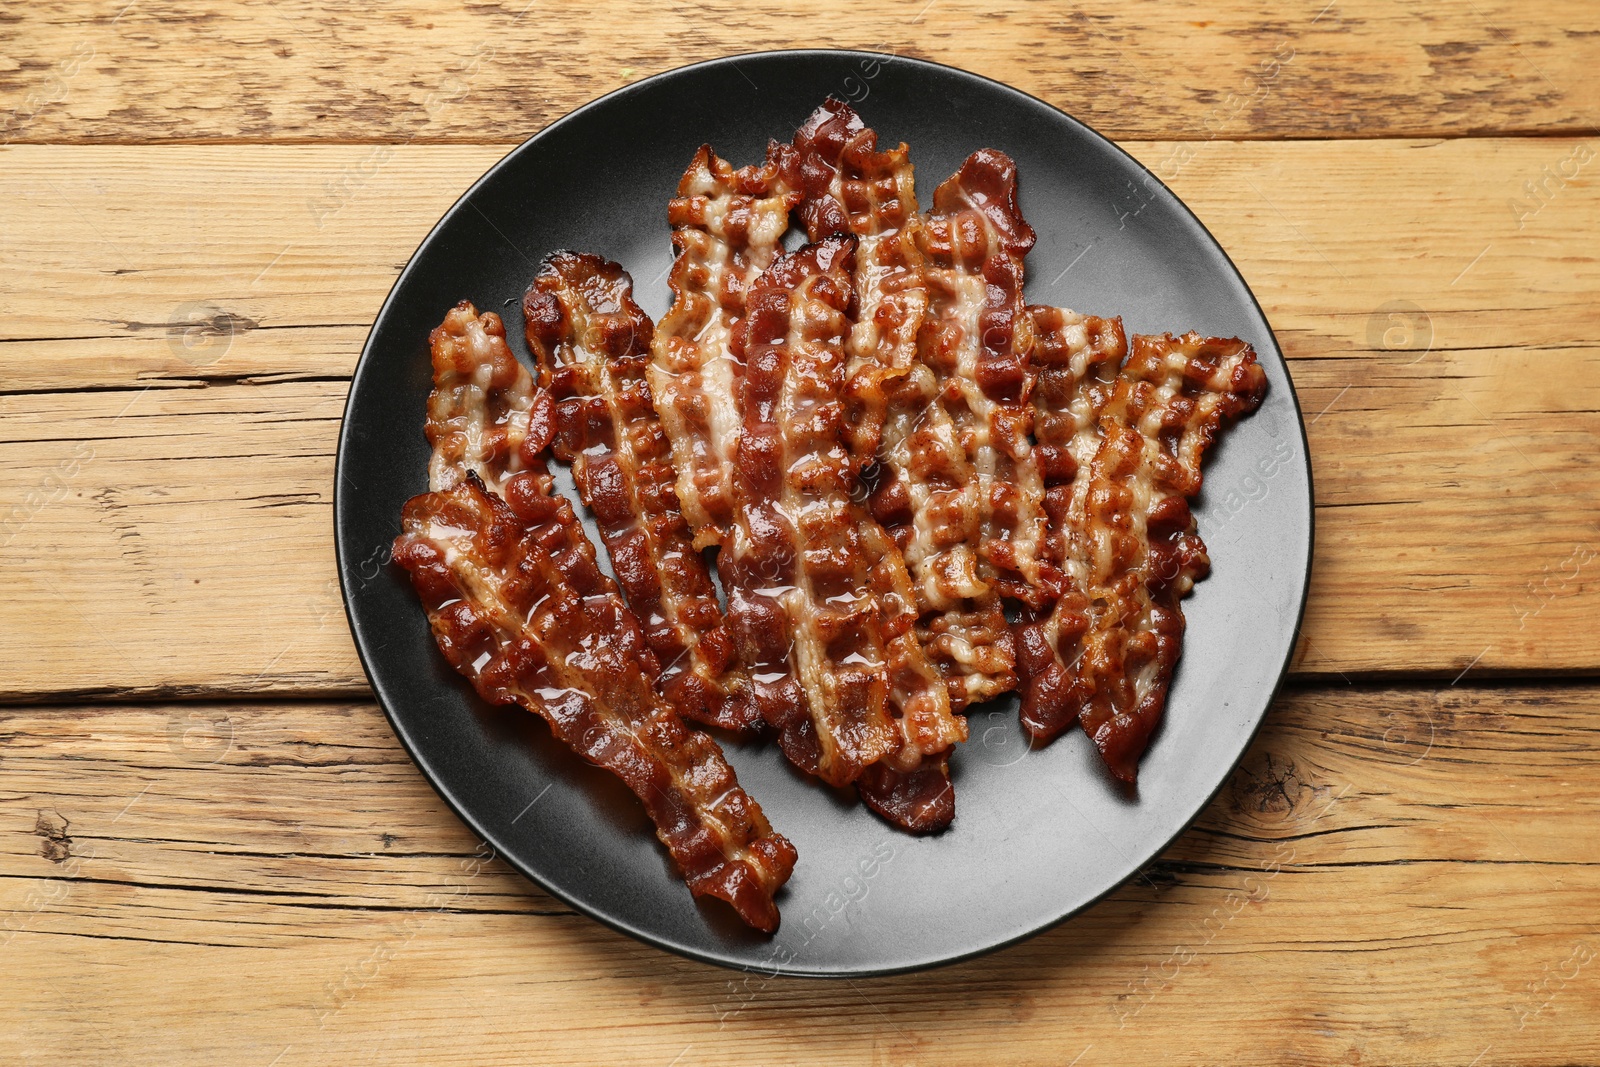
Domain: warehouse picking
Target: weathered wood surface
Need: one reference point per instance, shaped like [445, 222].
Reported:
[158, 70]
[166, 488]
[201, 208]
[1395, 876]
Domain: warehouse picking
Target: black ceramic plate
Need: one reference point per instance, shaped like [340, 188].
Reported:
[1038, 834]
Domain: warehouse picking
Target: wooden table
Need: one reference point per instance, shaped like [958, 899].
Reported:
[213, 850]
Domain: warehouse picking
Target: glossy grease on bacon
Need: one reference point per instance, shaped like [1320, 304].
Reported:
[1142, 551]
[592, 344]
[977, 340]
[851, 187]
[1076, 360]
[523, 611]
[927, 489]
[728, 226]
[484, 414]
[819, 597]
[519, 605]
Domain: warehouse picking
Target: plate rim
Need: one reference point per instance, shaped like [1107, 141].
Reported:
[364, 363]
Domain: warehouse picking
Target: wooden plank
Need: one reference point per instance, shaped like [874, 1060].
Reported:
[246, 265]
[81, 72]
[233, 883]
[1448, 372]
[105, 244]
[282, 277]
[173, 541]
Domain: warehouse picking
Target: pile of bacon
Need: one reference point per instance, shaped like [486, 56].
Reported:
[889, 450]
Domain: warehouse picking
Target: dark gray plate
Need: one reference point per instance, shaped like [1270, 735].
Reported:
[1038, 834]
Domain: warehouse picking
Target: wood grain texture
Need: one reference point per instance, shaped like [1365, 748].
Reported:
[201, 209]
[1392, 876]
[335, 71]
[174, 541]
[1443, 351]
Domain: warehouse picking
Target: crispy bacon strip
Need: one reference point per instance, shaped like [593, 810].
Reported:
[1142, 551]
[976, 339]
[484, 414]
[928, 491]
[728, 225]
[1076, 359]
[592, 342]
[527, 616]
[851, 187]
[818, 595]
[520, 606]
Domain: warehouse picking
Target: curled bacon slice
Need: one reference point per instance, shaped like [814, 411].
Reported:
[851, 187]
[592, 342]
[484, 414]
[524, 612]
[930, 493]
[1142, 551]
[1076, 359]
[520, 606]
[818, 595]
[728, 225]
[976, 339]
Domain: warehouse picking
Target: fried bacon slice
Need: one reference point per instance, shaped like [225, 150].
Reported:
[818, 595]
[519, 605]
[929, 492]
[976, 339]
[592, 343]
[484, 415]
[1142, 551]
[1075, 359]
[728, 226]
[852, 188]
[520, 608]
